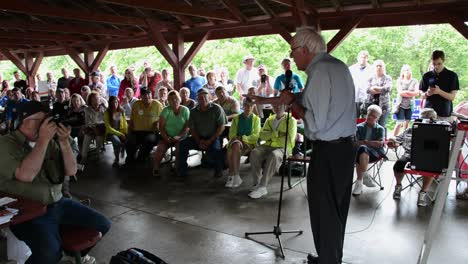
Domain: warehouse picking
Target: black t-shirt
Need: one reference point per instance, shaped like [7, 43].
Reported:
[60, 109]
[22, 85]
[447, 80]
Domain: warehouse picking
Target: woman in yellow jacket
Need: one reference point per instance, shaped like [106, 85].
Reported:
[243, 137]
[271, 152]
[116, 127]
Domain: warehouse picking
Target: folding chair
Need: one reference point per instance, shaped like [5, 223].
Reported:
[304, 160]
[412, 178]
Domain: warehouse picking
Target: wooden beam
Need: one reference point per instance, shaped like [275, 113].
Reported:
[15, 60]
[173, 8]
[75, 56]
[343, 33]
[99, 57]
[308, 8]
[35, 8]
[73, 29]
[160, 42]
[297, 7]
[265, 8]
[234, 10]
[196, 46]
[337, 5]
[375, 3]
[283, 32]
[178, 69]
[41, 36]
[37, 62]
[184, 20]
[32, 66]
[459, 25]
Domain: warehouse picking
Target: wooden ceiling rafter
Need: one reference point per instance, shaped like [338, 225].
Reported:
[172, 8]
[266, 8]
[26, 7]
[343, 33]
[234, 10]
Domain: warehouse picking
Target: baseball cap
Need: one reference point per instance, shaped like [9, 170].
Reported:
[202, 91]
[248, 57]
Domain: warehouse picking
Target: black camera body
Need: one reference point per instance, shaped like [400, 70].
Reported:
[73, 120]
[263, 78]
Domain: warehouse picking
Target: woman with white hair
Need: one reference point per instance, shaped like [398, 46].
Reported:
[223, 78]
[370, 139]
[185, 98]
[408, 88]
[378, 90]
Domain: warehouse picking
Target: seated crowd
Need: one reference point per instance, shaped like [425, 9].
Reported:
[137, 114]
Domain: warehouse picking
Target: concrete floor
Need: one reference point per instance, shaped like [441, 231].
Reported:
[199, 221]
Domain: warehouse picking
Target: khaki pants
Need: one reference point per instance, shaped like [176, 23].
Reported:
[272, 158]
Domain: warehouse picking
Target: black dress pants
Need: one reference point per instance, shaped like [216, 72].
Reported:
[329, 182]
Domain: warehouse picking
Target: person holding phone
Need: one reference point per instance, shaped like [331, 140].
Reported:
[440, 87]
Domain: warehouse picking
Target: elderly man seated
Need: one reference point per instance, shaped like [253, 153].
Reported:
[206, 123]
[143, 127]
[37, 157]
[269, 155]
[370, 139]
[228, 103]
[404, 140]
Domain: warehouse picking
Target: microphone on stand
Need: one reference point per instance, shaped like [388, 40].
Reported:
[287, 84]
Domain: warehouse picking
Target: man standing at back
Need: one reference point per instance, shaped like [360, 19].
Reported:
[19, 83]
[295, 82]
[440, 86]
[113, 82]
[63, 81]
[328, 110]
[76, 83]
[361, 72]
[247, 77]
[195, 83]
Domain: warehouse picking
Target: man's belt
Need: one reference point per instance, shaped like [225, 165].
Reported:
[335, 141]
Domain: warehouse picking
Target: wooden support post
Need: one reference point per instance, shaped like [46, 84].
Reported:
[343, 33]
[283, 32]
[32, 66]
[178, 69]
[160, 42]
[89, 63]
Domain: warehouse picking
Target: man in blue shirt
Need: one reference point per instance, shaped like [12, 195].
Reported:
[113, 82]
[280, 82]
[195, 83]
[11, 109]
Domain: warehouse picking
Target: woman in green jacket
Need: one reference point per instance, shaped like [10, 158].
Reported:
[243, 137]
[116, 127]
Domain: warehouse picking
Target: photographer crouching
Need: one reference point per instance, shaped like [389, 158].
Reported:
[37, 156]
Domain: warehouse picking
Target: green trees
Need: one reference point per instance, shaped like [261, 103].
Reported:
[395, 45]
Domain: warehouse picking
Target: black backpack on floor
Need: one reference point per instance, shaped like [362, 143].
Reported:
[136, 256]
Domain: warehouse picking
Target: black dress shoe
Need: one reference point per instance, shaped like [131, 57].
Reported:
[312, 259]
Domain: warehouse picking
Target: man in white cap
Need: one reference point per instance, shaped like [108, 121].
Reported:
[248, 76]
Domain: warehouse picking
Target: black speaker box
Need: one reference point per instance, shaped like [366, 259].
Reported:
[430, 146]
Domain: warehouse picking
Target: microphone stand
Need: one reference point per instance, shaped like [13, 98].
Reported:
[277, 229]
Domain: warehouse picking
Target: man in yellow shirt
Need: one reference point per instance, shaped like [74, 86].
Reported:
[143, 127]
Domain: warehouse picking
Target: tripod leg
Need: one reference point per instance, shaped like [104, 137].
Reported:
[299, 232]
[280, 247]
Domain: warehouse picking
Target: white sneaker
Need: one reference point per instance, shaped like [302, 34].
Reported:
[88, 260]
[84, 260]
[367, 180]
[422, 199]
[229, 182]
[357, 188]
[259, 192]
[237, 181]
[254, 187]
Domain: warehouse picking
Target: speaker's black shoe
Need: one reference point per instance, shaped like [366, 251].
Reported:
[312, 259]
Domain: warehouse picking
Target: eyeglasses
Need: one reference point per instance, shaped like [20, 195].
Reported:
[295, 48]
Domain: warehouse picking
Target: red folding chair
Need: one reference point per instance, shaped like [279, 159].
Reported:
[415, 177]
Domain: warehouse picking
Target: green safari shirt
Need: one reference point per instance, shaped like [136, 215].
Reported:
[47, 185]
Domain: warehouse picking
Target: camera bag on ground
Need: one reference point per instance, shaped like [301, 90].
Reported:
[136, 256]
